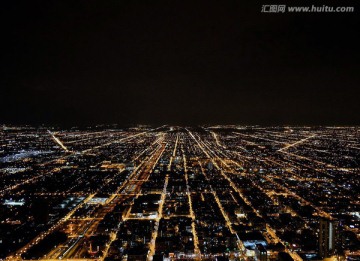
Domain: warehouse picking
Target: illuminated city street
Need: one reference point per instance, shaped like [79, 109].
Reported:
[174, 193]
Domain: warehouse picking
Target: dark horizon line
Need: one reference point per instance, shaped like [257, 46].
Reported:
[128, 125]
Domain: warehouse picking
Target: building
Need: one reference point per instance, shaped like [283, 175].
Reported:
[260, 253]
[327, 238]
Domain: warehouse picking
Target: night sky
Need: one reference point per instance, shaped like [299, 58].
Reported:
[177, 62]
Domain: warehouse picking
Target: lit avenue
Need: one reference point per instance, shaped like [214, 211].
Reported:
[179, 193]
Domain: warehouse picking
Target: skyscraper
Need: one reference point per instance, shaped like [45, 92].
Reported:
[327, 238]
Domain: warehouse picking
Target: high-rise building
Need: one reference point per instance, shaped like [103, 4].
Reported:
[327, 238]
[260, 253]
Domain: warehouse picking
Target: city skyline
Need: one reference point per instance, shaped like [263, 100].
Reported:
[183, 130]
[173, 193]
